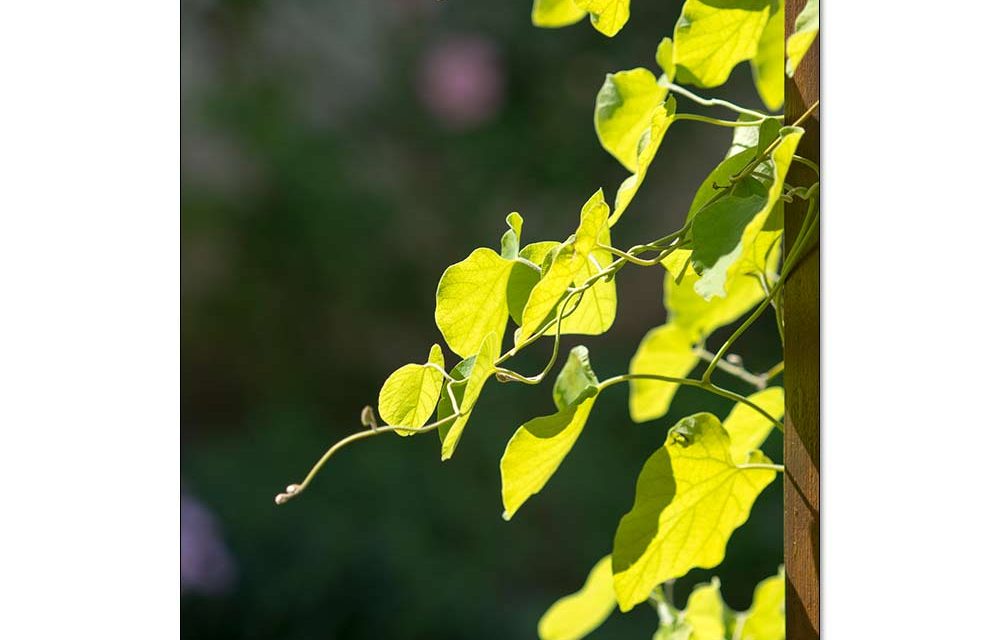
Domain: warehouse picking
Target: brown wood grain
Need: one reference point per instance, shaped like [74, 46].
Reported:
[802, 371]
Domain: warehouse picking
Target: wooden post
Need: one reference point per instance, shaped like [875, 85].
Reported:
[802, 370]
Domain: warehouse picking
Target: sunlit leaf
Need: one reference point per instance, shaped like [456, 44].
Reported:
[483, 367]
[700, 317]
[524, 278]
[747, 428]
[512, 237]
[578, 614]
[607, 16]
[648, 145]
[765, 620]
[623, 111]
[471, 301]
[705, 611]
[576, 379]
[767, 66]
[724, 227]
[664, 351]
[461, 373]
[409, 395]
[713, 36]
[805, 32]
[556, 13]
[665, 58]
[690, 497]
[567, 261]
[595, 313]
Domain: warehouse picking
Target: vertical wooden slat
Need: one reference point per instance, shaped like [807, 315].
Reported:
[802, 372]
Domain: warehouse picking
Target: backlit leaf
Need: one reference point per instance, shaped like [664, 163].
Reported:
[700, 317]
[705, 611]
[768, 63]
[556, 13]
[409, 395]
[648, 145]
[578, 614]
[471, 301]
[483, 367]
[665, 58]
[607, 16]
[461, 373]
[713, 36]
[747, 428]
[665, 351]
[512, 237]
[690, 497]
[524, 278]
[805, 32]
[765, 620]
[576, 380]
[623, 111]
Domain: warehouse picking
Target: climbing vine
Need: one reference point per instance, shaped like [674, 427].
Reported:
[723, 264]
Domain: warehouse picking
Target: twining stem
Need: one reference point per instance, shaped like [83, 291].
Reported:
[776, 370]
[735, 370]
[661, 604]
[691, 382]
[714, 102]
[295, 489]
[756, 465]
[716, 121]
[761, 157]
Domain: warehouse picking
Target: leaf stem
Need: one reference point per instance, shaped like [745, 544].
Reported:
[716, 121]
[757, 381]
[760, 465]
[714, 102]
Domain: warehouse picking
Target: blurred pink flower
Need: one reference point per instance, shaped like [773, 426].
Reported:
[461, 81]
[207, 566]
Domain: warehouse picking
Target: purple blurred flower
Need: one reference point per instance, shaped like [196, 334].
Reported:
[207, 566]
[461, 81]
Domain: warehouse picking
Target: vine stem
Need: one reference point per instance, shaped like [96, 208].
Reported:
[295, 489]
[691, 382]
[760, 465]
[760, 382]
[716, 121]
[714, 102]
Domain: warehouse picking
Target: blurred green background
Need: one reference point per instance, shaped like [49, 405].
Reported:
[336, 157]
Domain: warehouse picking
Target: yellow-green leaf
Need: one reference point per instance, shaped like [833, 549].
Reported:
[805, 32]
[567, 261]
[578, 614]
[524, 278]
[649, 143]
[713, 36]
[704, 613]
[690, 497]
[623, 111]
[747, 428]
[665, 58]
[512, 237]
[556, 13]
[607, 16]
[595, 313]
[664, 351]
[576, 379]
[701, 317]
[535, 452]
[483, 367]
[410, 394]
[766, 619]
[768, 64]
[471, 301]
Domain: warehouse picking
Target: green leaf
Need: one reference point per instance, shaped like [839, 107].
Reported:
[747, 428]
[409, 395]
[511, 237]
[623, 111]
[536, 451]
[556, 13]
[705, 612]
[607, 16]
[578, 614]
[690, 497]
[713, 36]
[483, 367]
[524, 278]
[665, 58]
[665, 351]
[700, 317]
[595, 313]
[567, 261]
[471, 301]
[723, 229]
[803, 35]
[765, 620]
[576, 380]
[461, 373]
[767, 65]
[649, 143]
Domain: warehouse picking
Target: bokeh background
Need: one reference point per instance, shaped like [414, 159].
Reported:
[337, 156]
